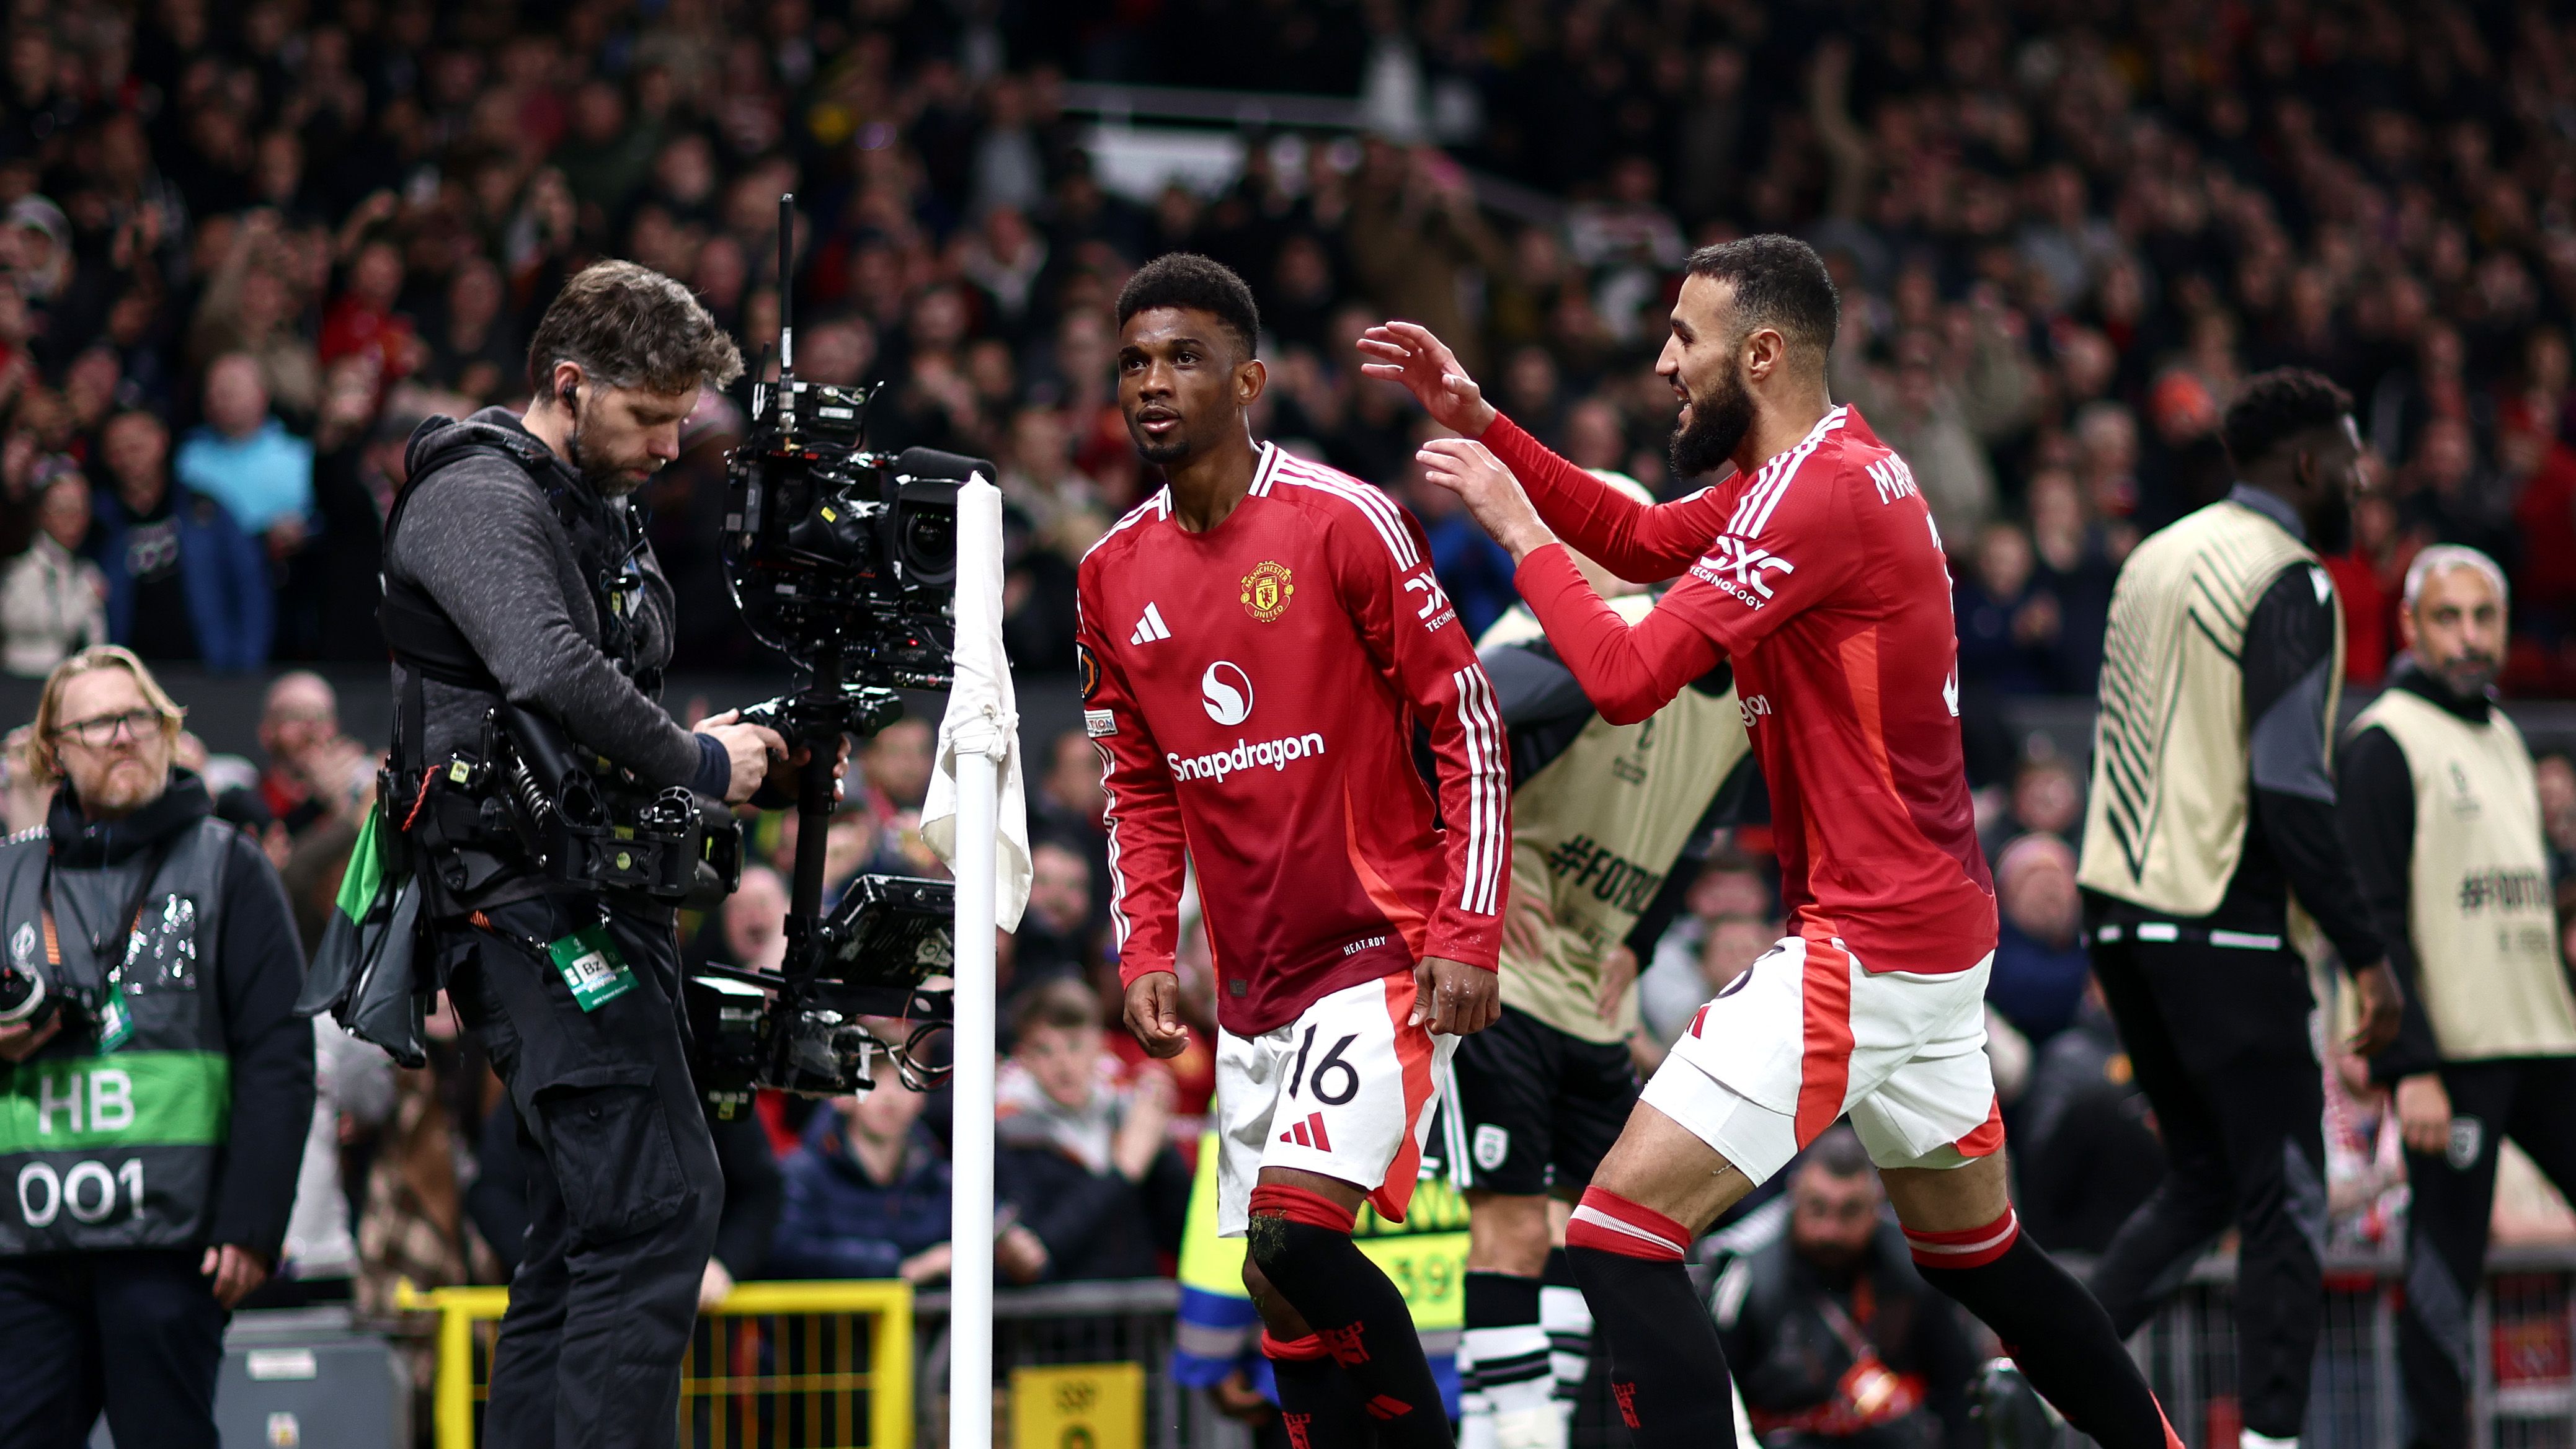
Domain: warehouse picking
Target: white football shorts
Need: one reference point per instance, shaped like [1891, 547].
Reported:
[1806, 1035]
[1345, 1090]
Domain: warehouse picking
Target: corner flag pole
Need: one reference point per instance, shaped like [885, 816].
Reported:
[970, 1318]
[980, 726]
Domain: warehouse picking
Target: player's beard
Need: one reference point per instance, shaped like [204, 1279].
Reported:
[605, 476]
[2469, 676]
[1718, 422]
[1165, 453]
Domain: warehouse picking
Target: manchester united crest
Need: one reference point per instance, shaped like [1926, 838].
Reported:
[1267, 590]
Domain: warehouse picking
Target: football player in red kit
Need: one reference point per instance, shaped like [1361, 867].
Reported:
[1814, 568]
[1259, 640]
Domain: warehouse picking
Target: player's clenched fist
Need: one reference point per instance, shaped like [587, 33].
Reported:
[1451, 998]
[1154, 1013]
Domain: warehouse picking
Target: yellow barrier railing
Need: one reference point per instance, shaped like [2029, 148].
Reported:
[806, 1398]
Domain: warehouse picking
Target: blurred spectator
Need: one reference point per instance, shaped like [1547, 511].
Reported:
[1055, 938]
[2073, 569]
[1679, 982]
[26, 793]
[53, 602]
[1832, 1336]
[353, 1095]
[867, 1195]
[752, 922]
[244, 459]
[1082, 1163]
[2007, 629]
[2047, 799]
[183, 582]
[1069, 808]
[1474, 570]
[2040, 964]
[2091, 1155]
[895, 766]
[2365, 1156]
[308, 760]
[2555, 776]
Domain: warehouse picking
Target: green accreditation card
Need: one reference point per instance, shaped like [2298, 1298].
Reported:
[115, 1018]
[591, 967]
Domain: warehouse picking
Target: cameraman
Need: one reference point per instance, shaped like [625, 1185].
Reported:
[515, 569]
[155, 1101]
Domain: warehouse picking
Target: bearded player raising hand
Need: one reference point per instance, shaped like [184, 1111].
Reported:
[1259, 640]
[1815, 570]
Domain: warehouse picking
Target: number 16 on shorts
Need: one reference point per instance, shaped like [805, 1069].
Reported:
[1343, 1091]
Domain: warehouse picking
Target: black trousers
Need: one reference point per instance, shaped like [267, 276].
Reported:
[2218, 1039]
[136, 1333]
[623, 1184]
[2531, 1100]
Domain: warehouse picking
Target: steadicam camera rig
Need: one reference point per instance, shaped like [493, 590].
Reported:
[845, 561]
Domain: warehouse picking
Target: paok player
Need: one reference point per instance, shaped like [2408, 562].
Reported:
[1259, 640]
[1815, 570]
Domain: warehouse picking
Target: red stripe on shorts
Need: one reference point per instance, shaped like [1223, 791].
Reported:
[1824, 1068]
[1989, 1135]
[1413, 1061]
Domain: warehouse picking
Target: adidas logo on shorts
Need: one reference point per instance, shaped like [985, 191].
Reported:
[1309, 1133]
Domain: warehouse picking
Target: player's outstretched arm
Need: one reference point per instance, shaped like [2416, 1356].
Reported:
[1628, 673]
[1630, 539]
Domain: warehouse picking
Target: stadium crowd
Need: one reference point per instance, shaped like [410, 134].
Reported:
[246, 251]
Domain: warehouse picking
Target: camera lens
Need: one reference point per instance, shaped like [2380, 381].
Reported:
[929, 544]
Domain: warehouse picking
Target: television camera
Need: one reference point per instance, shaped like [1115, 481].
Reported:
[845, 561]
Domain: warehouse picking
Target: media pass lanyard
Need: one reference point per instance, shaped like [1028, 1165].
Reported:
[115, 1021]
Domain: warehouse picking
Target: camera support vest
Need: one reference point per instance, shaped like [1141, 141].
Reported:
[107, 1150]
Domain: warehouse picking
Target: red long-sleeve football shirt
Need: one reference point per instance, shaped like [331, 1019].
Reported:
[1822, 578]
[1253, 692]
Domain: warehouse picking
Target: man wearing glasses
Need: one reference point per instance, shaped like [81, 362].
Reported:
[155, 1081]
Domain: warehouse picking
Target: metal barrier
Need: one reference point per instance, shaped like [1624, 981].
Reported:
[815, 1364]
[809, 1365]
[2522, 1329]
[1066, 1323]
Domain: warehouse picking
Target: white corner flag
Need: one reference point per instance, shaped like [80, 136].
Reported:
[983, 716]
[978, 821]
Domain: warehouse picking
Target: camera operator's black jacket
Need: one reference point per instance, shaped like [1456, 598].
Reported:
[511, 545]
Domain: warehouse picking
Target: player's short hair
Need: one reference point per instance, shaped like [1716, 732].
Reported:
[1063, 1004]
[2277, 406]
[628, 326]
[1839, 1152]
[2443, 556]
[1194, 283]
[1780, 283]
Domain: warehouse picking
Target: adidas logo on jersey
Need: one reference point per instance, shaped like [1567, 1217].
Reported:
[1150, 628]
[1309, 1133]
